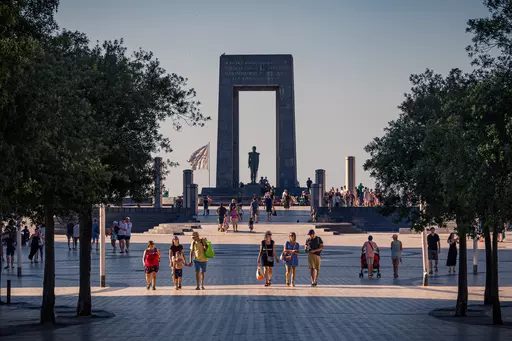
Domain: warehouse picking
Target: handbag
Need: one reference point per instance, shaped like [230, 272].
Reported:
[40, 241]
[259, 274]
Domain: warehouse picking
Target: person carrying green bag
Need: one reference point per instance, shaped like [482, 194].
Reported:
[198, 249]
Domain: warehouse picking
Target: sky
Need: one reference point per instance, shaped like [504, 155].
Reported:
[352, 61]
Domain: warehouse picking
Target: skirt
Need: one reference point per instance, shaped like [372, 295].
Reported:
[452, 256]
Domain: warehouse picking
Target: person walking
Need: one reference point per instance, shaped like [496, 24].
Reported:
[266, 256]
[451, 261]
[268, 206]
[234, 218]
[95, 233]
[69, 234]
[114, 229]
[254, 211]
[173, 250]
[151, 262]
[206, 210]
[9, 236]
[290, 256]
[35, 239]
[197, 256]
[76, 236]
[314, 246]
[128, 235]
[221, 212]
[370, 248]
[396, 254]
[434, 249]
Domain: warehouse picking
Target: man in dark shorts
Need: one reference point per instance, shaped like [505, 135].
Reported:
[255, 206]
[69, 233]
[10, 240]
[314, 247]
[434, 248]
[221, 212]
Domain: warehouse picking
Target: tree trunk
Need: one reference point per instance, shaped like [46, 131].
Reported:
[84, 307]
[496, 307]
[462, 293]
[488, 299]
[48, 305]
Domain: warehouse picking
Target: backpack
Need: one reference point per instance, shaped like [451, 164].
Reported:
[209, 252]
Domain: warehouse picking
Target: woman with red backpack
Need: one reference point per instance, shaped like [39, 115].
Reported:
[151, 261]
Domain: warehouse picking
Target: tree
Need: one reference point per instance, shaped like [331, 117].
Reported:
[421, 153]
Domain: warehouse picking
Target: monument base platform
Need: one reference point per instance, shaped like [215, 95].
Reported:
[243, 194]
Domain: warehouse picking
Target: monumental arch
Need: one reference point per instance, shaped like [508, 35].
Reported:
[255, 73]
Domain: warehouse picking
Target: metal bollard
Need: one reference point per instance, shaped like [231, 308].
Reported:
[8, 291]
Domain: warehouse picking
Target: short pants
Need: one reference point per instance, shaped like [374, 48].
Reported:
[433, 254]
[200, 266]
[178, 273]
[370, 260]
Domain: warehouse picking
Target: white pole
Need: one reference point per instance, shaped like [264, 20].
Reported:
[424, 249]
[19, 251]
[102, 245]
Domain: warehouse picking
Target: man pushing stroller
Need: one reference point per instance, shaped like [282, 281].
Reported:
[370, 257]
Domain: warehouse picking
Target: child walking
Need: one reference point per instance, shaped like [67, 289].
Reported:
[251, 224]
[178, 263]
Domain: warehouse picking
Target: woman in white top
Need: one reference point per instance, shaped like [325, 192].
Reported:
[76, 236]
[121, 235]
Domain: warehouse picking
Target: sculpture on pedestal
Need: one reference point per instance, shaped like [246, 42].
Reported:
[254, 162]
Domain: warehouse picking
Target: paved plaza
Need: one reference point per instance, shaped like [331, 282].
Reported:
[235, 306]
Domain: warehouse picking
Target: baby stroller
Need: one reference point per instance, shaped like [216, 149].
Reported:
[364, 265]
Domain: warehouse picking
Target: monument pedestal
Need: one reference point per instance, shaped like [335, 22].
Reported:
[251, 190]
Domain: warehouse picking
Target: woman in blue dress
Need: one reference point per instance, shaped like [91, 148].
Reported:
[290, 256]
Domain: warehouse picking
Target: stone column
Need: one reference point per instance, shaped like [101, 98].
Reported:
[315, 196]
[158, 183]
[350, 173]
[320, 178]
[192, 197]
[188, 179]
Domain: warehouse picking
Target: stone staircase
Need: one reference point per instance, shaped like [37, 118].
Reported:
[295, 215]
[176, 229]
[338, 228]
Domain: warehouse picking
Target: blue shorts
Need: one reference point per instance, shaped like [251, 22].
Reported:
[200, 266]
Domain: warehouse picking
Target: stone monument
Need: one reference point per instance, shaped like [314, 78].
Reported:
[254, 162]
[254, 73]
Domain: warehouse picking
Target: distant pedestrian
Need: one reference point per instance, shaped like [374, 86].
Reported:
[206, 203]
[35, 240]
[290, 256]
[396, 254]
[370, 248]
[95, 233]
[121, 235]
[151, 261]
[25, 236]
[128, 235]
[314, 247]
[234, 218]
[76, 236]
[255, 207]
[313, 215]
[451, 261]
[42, 231]
[69, 234]
[221, 212]
[114, 229]
[197, 256]
[251, 224]
[266, 257]
[434, 249]
[308, 184]
[269, 204]
[9, 236]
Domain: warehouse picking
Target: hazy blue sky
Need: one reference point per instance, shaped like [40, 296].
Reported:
[352, 61]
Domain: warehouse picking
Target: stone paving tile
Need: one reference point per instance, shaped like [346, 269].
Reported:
[237, 307]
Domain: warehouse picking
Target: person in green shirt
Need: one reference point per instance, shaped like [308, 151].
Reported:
[197, 256]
